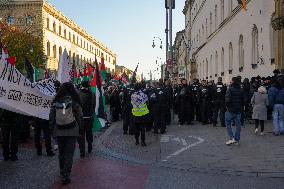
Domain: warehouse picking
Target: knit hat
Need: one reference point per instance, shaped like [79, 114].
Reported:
[262, 90]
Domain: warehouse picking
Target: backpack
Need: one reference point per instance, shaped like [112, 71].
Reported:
[65, 118]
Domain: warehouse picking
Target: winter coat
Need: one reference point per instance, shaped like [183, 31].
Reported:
[259, 102]
[272, 93]
[76, 130]
[234, 99]
[279, 99]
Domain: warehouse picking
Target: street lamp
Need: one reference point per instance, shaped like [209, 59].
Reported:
[161, 45]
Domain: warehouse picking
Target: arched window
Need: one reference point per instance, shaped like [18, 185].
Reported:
[230, 7]
[222, 10]
[210, 28]
[241, 53]
[10, 20]
[47, 23]
[255, 53]
[216, 64]
[74, 39]
[222, 61]
[29, 20]
[210, 71]
[230, 58]
[54, 27]
[69, 56]
[54, 51]
[59, 30]
[48, 48]
[216, 16]
[206, 28]
[60, 51]
[203, 36]
[65, 33]
[69, 36]
[206, 70]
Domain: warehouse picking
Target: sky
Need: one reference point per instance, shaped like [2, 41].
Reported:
[127, 27]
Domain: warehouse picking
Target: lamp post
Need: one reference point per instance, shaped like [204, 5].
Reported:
[161, 45]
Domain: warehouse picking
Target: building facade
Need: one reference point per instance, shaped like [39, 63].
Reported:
[57, 32]
[227, 41]
[119, 70]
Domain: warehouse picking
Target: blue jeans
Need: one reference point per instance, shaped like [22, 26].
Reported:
[278, 111]
[229, 117]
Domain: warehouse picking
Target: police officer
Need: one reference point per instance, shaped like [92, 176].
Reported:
[169, 95]
[195, 91]
[219, 94]
[204, 102]
[185, 104]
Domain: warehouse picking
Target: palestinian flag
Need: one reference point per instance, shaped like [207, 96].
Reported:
[124, 81]
[100, 110]
[103, 70]
[88, 70]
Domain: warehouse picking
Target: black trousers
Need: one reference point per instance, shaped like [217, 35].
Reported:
[261, 122]
[126, 122]
[204, 111]
[195, 112]
[66, 147]
[159, 119]
[10, 134]
[219, 107]
[86, 135]
[140, 131]
[42, 125]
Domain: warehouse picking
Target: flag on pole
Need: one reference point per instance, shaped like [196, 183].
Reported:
[124, 80]
[133, 79]
[103, 69]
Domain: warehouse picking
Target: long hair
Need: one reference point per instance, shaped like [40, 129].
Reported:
[68, 89]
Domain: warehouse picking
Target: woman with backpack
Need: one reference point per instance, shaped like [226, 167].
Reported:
[65, 122]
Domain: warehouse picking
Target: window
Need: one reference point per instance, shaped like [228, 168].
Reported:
[206, 28]
[48, 48]
[29, 20]
[60, 51]
[216, 64]
[222, 10]
[54, 27]
[84, 44]
[210, 74]
[206, 70]
[10, 20]
[241, 53]
[47, 23]
[60, 30]
[210, 28]
[230, 57]
[69, 36]
[222, 61]
[203, 37]
[77, 40]
[81, 42]
[69, 56]
[54, 51]
[255, 53]
[74, 39]
[216, 16]
[65, 33]
[230, 8]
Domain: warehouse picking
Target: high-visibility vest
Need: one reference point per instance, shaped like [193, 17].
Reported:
[141, 111]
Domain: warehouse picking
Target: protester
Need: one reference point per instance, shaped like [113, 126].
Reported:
[10, 133]
[65, 122]
[260, 102]
[88, 108]
[234, 104]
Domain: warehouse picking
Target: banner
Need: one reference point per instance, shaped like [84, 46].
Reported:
[18, 94]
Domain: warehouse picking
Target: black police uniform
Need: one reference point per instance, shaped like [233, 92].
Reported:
[185, 105]
[195, 90]
[219, 95]
[169, 95]
[126, 110]
[204, 104]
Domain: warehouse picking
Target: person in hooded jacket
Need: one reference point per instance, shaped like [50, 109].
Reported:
[185, 104]
[65, 124]
[88, 108]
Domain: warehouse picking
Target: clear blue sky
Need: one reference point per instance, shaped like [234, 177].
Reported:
[127, 27]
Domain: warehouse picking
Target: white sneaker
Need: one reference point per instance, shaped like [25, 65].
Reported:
[256, 131]
[230, 142]
[262, 133]
[55, 147]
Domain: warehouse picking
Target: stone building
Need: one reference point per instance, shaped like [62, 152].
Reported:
[227, 41]
[57, 32]
[119, 70]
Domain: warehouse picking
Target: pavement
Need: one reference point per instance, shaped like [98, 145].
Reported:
[186, 157]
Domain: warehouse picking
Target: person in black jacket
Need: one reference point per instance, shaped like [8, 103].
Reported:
[169, 94]
[88, 109]
[205, 98]
[195, 90]
[10, 133]
[185, 104]
[126, 110]
[234, 104]
[219, 93]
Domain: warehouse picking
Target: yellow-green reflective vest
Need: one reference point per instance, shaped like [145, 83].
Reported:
[141, 111]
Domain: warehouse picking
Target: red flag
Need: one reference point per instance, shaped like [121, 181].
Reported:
[11, 60]
[116, 78]
[94, 80]
[103, 66]
[90, 69]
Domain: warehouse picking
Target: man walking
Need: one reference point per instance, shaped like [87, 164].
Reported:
[234, 104]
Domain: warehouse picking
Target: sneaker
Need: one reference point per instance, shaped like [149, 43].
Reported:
[66, 181]
[262, 134]
[237, 143]
[256, 131]
[137, 143]
[230, 142]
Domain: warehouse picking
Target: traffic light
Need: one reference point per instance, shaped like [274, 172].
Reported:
[168, 2]
[243, 3]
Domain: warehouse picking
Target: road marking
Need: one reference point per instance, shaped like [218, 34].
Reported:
[200, 140]
[165, 138]
[184, 143]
